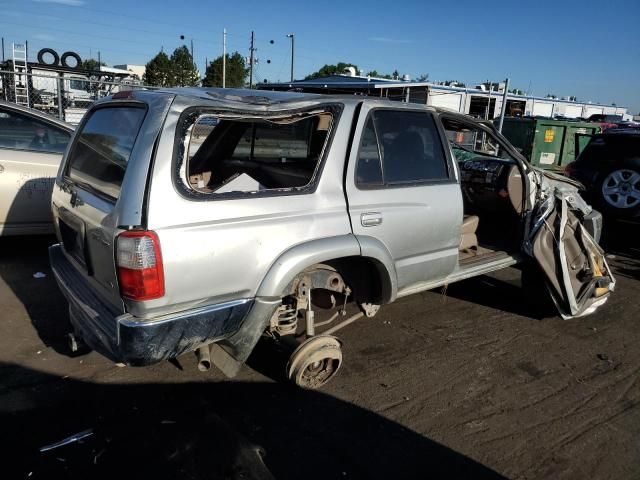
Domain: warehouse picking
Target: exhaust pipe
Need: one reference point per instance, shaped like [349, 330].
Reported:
[203, 354]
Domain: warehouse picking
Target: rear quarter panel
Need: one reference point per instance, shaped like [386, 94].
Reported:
[218, 250]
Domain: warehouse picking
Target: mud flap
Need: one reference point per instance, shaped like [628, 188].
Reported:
[574, 266]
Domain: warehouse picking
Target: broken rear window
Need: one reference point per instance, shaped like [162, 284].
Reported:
[226, 153]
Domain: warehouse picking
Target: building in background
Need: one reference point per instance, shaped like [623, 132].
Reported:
[137, 70]
[477, 101]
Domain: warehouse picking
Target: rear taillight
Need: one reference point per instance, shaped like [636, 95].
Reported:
[139, 263]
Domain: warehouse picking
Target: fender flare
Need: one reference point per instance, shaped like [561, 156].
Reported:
[297, 258]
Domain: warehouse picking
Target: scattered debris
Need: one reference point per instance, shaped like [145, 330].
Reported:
[39, 275]
[76, 437]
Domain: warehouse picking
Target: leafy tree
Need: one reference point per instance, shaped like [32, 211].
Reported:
[516, 91]
[374, 73]
[422, 78]
[159, 72]
[327, 70]
[184, 70]
[91, 64]
[236, 71]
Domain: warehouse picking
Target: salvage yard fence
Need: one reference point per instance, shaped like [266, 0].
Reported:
[65, 96]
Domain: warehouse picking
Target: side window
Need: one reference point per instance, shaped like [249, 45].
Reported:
[23, 132]
[406, 145]
[231, 154]
[470, 142]
[369, 168]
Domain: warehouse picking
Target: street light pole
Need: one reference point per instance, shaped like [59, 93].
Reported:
[224, 58]
[291, 36]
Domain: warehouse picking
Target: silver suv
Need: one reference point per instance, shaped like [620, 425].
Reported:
[204, 219]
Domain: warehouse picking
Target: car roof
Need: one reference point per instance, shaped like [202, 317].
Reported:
[38, 114]
[267, 98]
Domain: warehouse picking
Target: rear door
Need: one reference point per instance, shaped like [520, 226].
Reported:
[30, 154]
[90, 187]
[402, 191]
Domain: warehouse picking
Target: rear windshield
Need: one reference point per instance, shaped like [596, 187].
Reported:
[100, 155]
[612, 147]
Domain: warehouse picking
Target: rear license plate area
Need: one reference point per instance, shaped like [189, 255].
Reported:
[72, 233]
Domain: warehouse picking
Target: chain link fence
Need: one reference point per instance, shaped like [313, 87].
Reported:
[59, 94]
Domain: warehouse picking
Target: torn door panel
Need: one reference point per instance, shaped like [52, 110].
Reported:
[573, 264]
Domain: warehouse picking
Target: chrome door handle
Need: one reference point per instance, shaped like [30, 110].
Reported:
[371, 219]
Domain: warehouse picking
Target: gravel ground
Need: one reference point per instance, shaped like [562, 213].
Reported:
[464, 383]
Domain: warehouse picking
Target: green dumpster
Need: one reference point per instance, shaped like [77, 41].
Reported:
[548, 144]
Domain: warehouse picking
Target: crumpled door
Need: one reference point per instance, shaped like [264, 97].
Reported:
[574, 266]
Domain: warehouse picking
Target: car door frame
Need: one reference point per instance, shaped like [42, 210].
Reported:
[372, 246]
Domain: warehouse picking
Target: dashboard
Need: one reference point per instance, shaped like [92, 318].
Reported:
[490, 184]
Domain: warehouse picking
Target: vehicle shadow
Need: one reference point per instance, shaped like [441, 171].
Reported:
[497, 293]
[621, 241]
[206, 430]
[23, 260]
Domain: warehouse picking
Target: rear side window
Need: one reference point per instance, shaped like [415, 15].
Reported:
[398, 148]
[228, 154]
[615, 146]
[101, 152]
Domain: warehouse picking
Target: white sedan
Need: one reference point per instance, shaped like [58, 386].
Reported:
[31, 147]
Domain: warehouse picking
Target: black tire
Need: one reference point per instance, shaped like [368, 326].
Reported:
[51, 51]
[67, 55]
[605, 205]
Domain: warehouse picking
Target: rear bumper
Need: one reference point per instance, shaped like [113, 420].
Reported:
[124, 338]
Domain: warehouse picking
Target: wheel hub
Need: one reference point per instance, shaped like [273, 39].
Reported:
[621, 188]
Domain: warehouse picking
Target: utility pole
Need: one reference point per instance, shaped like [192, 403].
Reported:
[224, 58]
[251, 50]
[504, 104]
[192, 59]
[291, 36]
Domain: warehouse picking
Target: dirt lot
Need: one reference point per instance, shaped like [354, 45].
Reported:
[465, 384]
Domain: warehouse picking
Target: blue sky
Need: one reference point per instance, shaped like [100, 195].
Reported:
[586, 48]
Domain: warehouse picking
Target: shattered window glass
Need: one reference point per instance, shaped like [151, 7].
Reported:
[230, 154]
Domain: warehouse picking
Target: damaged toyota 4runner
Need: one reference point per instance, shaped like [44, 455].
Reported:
[204, 219]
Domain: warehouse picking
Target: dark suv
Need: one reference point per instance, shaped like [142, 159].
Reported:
[609, 168]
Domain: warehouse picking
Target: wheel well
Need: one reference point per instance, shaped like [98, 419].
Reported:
[366, 277]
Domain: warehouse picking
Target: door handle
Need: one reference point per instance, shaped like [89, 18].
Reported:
[371, 219]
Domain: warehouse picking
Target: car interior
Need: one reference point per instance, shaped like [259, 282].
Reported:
[492, 190]
[247, 155]
[21, 132]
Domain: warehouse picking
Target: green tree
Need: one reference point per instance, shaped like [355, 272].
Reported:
[327, 70]
[236, 71]
[91, 64]
[422, 78]
[159, 72]
[184, 70]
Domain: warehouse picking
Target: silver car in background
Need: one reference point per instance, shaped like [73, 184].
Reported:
[31, 148]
